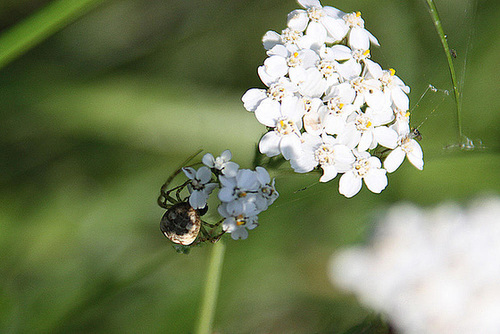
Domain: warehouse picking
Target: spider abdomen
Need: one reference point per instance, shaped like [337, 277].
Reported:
[181, 224]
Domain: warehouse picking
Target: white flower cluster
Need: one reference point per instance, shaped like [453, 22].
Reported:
[432, 271]
[243, 193]
[328, 105]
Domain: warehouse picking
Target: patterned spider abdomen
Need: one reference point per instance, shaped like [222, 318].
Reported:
[181, 224]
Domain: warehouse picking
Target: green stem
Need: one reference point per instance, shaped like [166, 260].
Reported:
[41, 25]
[439, 28]
[210, 293]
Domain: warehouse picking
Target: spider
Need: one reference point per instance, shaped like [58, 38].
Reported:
[181, 223]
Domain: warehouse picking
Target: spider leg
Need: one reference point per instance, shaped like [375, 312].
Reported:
[164, 193]
[216, 238]
[216, 224]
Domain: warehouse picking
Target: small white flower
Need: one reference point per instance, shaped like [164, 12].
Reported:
[239, 191]
[366, 168]
[370, 130]
[267, 193]
[256, 98]
[326, 152]
[283, 59]
[200, 186]
[359, 37]
[324, 24]
[312, 118]
[369, 91]
[392, 86]
[287, 122]
[237, 223]
[222, 163]
[407, 147]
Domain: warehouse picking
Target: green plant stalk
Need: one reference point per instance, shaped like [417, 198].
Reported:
[41, 25]
[211, 290]
[439, 28]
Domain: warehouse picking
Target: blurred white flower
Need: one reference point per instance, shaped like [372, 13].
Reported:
[407, 147]
[366, 168]
[222, 163]
[238, 223]
[267, 193]
[200, 186]
[239, 191]
[430, 271]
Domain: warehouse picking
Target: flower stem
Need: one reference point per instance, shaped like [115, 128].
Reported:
[439, 28]
[41, 25]
[211, 290]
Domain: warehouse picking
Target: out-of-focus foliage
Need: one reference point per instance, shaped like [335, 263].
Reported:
[97, 117]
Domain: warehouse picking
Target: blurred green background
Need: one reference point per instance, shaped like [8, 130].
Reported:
[95, 118]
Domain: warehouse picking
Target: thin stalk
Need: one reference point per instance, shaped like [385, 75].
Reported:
[439, 28]
[211, 290]
[41, 25]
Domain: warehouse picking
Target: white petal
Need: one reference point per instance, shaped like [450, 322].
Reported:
[365, 141]
[376, 99]
[292, 108]
[329, 173]
[339, 52]
[190, 172]
[373, 68]
[239, 233]
[314, 85]
[270, 39]
[226, 155]
[349, 70]
[304, 163]
[252, 98]
[276, 66]
[269, 144]
[359, 39]
[349, 184]
[227, 182]
[317, 31]
[203, 174]
[400, 99]
[278, 50]
[263, 175]
[290, 146]
[394, 159]
[198, 199]
[385, 136]
[333, 124]
[416, 155]
[297, 20]
[310, 3]
[333, 12]
[230, 169]
[247, 179]
[268, 112]
[226, 194]
[343, 155]
[376, 180]
[374, 161]
[336, 28]
[267, 79]
[208, 160]
[349, 136]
